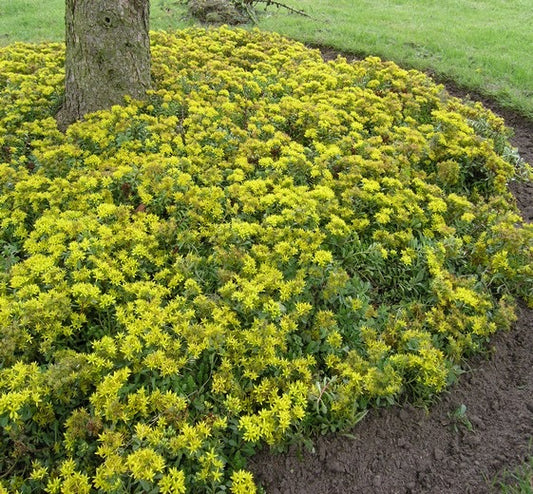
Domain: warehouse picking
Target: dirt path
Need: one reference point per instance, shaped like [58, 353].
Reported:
[413, 451]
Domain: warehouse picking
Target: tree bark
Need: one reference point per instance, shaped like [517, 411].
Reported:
[107, 55]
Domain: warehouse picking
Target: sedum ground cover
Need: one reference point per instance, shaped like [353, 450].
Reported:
[264, 248]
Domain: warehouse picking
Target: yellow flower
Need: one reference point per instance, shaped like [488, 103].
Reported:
[173, 482]
[334, 339]
[145, 463]
[242, 482]
[323, 257]
[236, 247]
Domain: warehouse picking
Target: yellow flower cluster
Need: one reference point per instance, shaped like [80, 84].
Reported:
[268, 244]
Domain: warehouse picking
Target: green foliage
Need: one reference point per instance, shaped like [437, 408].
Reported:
[267, 246]
[517, 481]
[459, 419]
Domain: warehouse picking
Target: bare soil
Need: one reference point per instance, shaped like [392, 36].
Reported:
[402, 450]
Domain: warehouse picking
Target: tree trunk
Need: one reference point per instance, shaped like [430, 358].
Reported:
[107, 55]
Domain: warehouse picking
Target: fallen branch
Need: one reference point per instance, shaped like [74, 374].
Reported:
[279, 5]
[233, 11]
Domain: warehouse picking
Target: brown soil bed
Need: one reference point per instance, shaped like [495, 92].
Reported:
[413, 450]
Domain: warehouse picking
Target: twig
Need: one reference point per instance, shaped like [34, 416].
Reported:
[282, 5]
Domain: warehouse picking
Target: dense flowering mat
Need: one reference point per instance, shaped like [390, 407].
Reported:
[265, 247]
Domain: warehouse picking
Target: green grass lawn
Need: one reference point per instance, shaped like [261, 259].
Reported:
[518, 481]
[482, 45]
[31, 20]
[34, 20]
